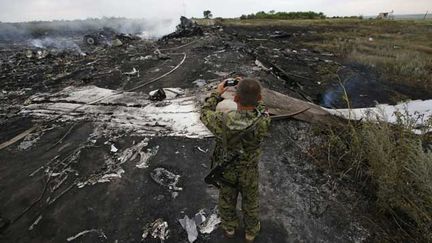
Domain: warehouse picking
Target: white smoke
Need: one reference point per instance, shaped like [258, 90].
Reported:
[59, 44]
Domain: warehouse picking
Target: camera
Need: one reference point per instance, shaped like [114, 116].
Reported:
[231, 82]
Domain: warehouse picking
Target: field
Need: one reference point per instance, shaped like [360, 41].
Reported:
[349, 182]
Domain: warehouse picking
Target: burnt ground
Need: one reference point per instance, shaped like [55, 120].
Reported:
[299, 203]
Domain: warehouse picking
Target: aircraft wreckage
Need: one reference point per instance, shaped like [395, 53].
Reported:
[89, 157]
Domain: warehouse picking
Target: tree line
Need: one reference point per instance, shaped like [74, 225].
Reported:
[284, 15]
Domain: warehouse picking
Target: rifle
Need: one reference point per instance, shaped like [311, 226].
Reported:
[215, 177]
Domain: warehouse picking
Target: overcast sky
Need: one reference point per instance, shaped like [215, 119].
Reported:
[27, 10]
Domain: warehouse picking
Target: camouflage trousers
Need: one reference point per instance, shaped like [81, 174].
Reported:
[246, 179]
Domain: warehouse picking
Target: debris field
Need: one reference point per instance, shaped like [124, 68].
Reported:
[102, 158]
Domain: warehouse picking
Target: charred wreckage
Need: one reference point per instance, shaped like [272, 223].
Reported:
[101, 138]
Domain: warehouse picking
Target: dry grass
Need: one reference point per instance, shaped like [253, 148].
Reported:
[400, 50]
[396, 161]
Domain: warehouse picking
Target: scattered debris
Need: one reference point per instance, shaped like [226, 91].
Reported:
[113, 148]
[191, 228]
[157, 95]
[108, 36]
[186, 28]
[200, 82]
[279, 34]
[166, 178]
[110, 172]
[161, 55]
[29, 141]
[158, 230]
[206, 221]
[210, 223]
[260, 65]
[100, 233]
[111, 176]
[17, 138]
[117, 43]
[146, 156]
[35, 223]
[202, 150]
[133, 72]
[131, 153]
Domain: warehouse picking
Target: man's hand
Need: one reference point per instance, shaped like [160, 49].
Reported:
[221, 87]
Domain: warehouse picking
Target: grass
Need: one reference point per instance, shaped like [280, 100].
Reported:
[395, 163]
[401, 51]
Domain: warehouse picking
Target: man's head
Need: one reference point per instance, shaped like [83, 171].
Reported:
[248, 92]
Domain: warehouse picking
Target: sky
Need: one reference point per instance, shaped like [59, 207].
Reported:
[29, 10]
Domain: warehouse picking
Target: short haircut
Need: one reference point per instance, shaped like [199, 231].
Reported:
[249, 92]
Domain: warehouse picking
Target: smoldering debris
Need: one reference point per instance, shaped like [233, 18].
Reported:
[166, 179]
[100, 233]
[157, 230]
[186, 28]
[55, 45]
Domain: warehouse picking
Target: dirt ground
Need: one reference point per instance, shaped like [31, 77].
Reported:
[299, 202]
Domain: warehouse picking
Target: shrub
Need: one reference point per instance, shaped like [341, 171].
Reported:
[395, 160]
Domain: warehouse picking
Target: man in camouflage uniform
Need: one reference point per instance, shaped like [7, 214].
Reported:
[243, 170]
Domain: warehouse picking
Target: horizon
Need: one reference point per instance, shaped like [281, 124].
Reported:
[45, 10]
[429, 15]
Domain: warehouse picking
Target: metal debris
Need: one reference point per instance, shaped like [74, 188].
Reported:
[146, 156]
[29, 141]
[98, 231]
[113, 148]
[132, 152]
[109, 177]
[112, 171]
[210, 223]
[117, 43]
[133, 72]
[190, 226]
[200, 82]
[158, 230]
[166, 178]
[157, 95]
[205, 221]
[260, 65]
[35, 223]
[202, 150]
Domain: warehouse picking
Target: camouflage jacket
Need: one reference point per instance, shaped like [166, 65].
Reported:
[247, 149]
